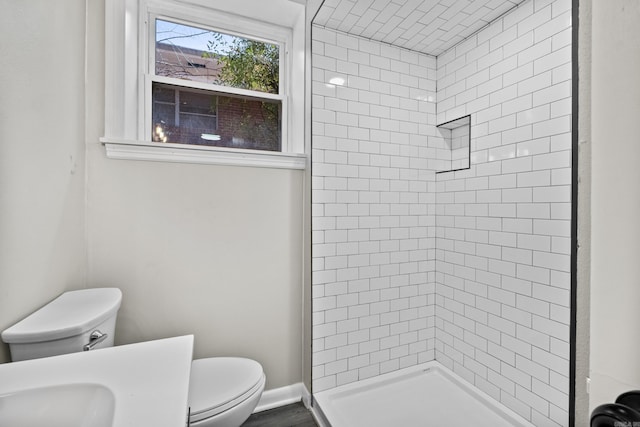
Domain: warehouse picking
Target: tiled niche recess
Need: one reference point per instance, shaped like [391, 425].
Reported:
[471, 267]
[457, 135]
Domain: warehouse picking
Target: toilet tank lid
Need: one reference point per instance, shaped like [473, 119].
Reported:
[72, 313]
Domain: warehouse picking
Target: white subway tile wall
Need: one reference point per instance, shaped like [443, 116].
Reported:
[374, 146]
[471, 267]
[503, 226]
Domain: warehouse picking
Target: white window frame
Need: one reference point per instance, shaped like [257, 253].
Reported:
[129, 74]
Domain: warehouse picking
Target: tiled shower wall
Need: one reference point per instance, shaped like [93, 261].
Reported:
[373, 208]
[472, 267]
[503, 226]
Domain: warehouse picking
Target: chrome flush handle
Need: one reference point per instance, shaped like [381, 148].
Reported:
[95, 338]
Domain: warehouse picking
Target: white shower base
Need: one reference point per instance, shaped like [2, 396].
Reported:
[424, 395]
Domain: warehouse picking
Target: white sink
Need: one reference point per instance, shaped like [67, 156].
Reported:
[143, 384]
[93, 406]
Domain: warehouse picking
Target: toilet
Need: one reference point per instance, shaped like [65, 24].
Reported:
[223, 391]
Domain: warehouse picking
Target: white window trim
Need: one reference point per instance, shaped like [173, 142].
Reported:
[200, 154]
[127, 82]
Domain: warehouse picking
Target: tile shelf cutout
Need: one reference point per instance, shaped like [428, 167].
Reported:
[457, 135]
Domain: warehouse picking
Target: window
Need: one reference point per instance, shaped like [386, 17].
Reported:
[217, 89]
[199, 79]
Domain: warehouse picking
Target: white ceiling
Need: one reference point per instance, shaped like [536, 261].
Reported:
[427, 26]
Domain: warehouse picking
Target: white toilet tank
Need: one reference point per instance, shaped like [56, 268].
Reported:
[75, 321]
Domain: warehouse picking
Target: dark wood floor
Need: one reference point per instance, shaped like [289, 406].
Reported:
[294, 415]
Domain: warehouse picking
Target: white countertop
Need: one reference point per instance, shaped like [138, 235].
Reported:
[150, 380]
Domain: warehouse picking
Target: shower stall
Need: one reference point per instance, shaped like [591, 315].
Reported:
[441, 206]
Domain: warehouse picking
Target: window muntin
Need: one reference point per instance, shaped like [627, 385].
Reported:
[216, 89]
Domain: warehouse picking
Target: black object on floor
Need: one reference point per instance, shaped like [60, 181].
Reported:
[630, 399]
[622, 413]
[614, 415]
[294, 415]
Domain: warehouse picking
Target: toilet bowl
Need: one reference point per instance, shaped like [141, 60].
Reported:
[223, 391]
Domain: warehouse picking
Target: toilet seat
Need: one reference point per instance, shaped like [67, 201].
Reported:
[221, 383]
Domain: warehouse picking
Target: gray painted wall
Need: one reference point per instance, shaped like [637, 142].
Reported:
[42, 214]
[615, 199]
[584, 215]
[212, 251]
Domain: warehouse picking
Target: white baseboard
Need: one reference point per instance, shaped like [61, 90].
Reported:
[282, 396]
[306, 396]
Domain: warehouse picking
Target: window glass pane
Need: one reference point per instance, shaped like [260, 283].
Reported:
[197, 103]
[163, 94]
[208, 118]
[196, 54]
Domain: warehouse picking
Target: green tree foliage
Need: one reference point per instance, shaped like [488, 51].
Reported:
[253, 65]
[246, 64]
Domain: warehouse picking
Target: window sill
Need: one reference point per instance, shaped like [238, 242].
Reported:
[179, 153]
